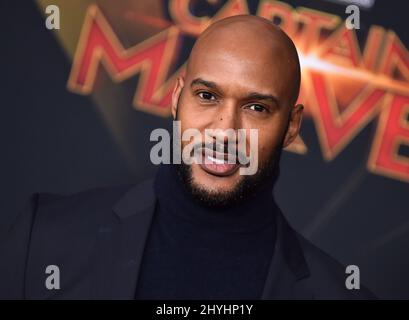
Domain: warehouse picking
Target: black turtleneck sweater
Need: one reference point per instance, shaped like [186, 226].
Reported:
[196, 253]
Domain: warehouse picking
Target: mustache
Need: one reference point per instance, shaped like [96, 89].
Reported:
[220, 148]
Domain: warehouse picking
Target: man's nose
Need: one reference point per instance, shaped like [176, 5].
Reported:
[226, 122]
[227, 117]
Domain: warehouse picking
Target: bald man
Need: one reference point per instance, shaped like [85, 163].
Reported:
[199, 230]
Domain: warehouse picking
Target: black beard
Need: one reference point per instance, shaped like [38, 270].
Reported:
[248, 187]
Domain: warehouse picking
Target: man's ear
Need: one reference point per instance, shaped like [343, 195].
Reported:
[294, 125]
[177, 90]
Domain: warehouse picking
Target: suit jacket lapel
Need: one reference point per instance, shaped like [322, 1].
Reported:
[120, 249]
[120, 252]
[288, 266]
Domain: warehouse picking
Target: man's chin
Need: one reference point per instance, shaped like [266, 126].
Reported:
[223, 191]
[213, 181]
[210, 190]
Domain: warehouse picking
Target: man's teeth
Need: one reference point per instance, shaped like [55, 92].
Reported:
[217, 161]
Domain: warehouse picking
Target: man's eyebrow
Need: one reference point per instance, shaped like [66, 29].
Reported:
[250, 96]
[261, 96]
[200, 81]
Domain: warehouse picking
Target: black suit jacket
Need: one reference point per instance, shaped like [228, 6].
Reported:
[97, 238]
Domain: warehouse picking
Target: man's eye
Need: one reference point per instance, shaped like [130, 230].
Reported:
[206, 96]
[257, 108]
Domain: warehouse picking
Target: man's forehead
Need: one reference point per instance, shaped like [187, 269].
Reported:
[241, 39]
[243, 70]
[245, 51]
[260, 46]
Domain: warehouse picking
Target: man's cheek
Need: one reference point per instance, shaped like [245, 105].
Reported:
[252, 162]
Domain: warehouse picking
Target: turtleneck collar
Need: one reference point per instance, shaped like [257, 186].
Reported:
[250, 215]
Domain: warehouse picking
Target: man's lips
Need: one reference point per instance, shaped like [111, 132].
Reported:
[219, 165]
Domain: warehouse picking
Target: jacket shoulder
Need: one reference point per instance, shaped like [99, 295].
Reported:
[61, 225]
[93, 203]
[327, 278]
[96, 198]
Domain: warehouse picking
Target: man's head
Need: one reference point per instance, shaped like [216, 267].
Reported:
[243, 73]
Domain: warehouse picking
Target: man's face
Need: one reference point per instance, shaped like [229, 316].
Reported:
[237, 88]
